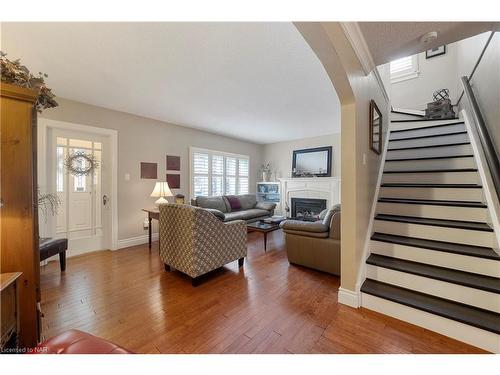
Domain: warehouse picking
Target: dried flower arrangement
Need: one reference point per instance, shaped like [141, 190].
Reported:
[14, 73]
[48, 203]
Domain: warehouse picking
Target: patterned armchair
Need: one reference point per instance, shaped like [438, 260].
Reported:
[195, 242]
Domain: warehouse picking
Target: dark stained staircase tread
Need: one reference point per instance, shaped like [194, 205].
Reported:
[428, 136]
[448, 247]
[435, 170]
[412, 185]
[428, 146]
[431, 158]
[462, 313]
[458, 224]
[407, 113]
[426, 127]
[434, 202]
[427, 119]
[472, 280]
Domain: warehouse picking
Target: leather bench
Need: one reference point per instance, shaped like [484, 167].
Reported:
[53, 246]
[78, 342]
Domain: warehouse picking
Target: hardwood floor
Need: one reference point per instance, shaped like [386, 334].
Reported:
[267, 306]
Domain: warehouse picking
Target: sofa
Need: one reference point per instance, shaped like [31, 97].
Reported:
[236, 207]
[315, 244]
[195, 242]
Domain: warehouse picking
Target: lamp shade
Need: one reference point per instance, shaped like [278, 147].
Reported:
[161, 190]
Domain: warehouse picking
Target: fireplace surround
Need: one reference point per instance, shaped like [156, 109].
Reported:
[327, 188]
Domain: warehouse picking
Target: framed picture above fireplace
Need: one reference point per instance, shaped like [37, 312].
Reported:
[312, 162]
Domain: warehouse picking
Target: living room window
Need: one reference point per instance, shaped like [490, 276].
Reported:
[218, 173]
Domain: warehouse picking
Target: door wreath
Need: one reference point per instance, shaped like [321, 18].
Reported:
[79, 163]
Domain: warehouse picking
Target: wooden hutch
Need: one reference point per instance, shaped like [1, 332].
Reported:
[18, 212]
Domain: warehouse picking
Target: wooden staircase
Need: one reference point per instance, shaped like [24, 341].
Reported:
[432, 260]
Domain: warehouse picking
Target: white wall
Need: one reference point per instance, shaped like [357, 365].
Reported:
[486, 80]
[468, 51]
[280, 154]
[142, 139]
[439, 72]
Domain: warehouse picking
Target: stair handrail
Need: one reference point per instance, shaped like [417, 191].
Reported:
[490, 151]
[477, 64]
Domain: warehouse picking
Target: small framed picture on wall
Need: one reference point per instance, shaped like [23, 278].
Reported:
[436, 51]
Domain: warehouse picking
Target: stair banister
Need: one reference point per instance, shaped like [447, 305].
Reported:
[490, 152]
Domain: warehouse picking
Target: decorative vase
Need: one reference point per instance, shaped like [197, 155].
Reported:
[265, 176]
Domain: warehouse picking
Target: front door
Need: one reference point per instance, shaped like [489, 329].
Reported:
[83, 214]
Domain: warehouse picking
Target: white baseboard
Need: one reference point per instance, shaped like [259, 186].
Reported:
[134, 241]
[348, 297]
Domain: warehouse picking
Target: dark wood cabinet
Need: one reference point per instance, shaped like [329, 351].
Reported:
[19, 214]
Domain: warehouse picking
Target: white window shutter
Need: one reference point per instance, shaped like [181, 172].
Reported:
[404, 68]
[217, 173]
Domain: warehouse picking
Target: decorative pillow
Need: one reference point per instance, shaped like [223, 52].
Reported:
[234, 202]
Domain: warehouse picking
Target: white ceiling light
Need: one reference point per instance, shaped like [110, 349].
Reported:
[429, 37]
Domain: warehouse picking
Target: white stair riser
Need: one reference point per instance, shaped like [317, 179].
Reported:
[430, 152]
[482, 266]
[441, 140]
[474, 336]
[418, 124]
[432, 164]
[451, 194]
[453, 292]
[434, 212]
[429, 232]
[433, 178]
[429, 131]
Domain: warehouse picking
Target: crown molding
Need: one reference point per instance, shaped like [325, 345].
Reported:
[358, 42]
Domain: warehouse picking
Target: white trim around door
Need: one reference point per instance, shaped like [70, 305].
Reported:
[43, 126]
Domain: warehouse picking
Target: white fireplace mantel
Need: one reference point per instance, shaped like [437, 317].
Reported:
[309, 187]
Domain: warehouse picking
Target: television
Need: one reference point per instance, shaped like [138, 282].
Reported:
[312, 162]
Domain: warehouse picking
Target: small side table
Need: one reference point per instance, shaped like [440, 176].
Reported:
[153, 213]
[9, 296]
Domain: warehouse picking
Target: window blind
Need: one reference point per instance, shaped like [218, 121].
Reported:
[216, 173]
[402, 65]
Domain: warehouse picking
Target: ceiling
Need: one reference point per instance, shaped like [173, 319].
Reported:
[259, 82]
[388, 41]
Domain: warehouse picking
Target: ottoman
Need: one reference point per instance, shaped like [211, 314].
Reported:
[53, 246]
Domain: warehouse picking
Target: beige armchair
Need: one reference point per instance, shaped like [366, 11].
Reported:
[315, 244]
[195, 242]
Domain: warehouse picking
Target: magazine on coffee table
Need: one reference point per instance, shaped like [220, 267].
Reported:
[276, 219]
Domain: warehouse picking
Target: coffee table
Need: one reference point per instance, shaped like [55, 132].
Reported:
[264, 228]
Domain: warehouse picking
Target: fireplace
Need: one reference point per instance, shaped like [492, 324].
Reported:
[307, 208]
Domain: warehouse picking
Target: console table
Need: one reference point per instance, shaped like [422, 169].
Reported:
[153, 213]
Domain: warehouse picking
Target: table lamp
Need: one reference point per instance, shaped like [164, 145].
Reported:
[161, 190]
